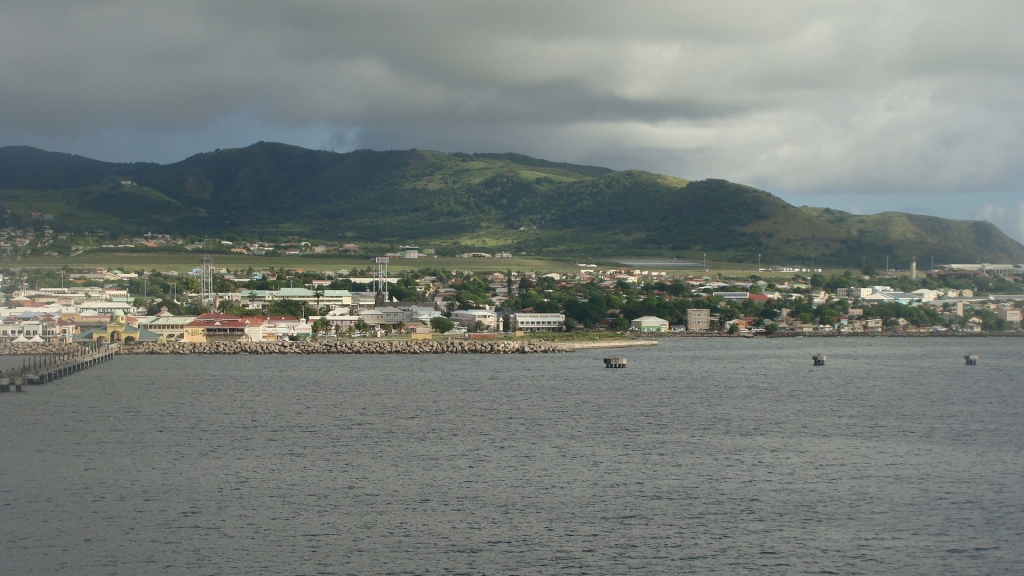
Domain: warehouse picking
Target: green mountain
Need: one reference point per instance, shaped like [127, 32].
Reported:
[459, 201]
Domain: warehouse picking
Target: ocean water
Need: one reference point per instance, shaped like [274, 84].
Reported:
[703, 456]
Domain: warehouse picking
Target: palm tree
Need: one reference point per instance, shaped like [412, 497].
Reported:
[318, 293]
[321, 325]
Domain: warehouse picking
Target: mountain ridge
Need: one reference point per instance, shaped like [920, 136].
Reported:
[502, 201]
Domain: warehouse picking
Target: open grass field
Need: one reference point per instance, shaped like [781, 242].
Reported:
[186, 262]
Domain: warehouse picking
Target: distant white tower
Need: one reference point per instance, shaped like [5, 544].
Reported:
[206, 282]
[380, 281]
[913, 269]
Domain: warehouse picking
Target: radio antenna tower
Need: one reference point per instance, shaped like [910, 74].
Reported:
[380, 281]
[206, 288]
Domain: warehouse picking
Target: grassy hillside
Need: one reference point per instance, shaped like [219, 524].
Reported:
[493, 201]
[908, 235]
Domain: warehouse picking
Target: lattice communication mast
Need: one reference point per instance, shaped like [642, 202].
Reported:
[380, 281]
[206, 288]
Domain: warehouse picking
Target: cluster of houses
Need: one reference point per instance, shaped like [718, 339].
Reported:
[86, 314]
[950, 302]
[54, 323]
[107, 315]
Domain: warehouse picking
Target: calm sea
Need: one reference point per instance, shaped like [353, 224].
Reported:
[703, 456]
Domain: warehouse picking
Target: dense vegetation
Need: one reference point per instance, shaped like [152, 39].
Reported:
[493, 201]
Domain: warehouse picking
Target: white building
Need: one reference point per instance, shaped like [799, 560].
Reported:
[107, 307]
[649, 324]
[928, 295]
[853, 292]
[537, 322]
[384, 315]
[423, 313]
[469, 318]
[262, 298]
[338, 317]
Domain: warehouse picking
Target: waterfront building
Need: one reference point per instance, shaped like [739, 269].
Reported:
[218, 327]
[698, 319]
[649, 324]
[469, 318]
[538, 322]
[165, 324]
[118, 329]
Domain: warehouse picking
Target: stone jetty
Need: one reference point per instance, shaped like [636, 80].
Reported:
[345, 346]
[348, 347]
[39, 348]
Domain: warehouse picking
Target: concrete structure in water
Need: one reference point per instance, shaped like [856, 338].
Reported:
[819, 359]
[615, 362]
[971, 359]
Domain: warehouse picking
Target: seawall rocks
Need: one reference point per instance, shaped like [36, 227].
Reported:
[345, 347]
[35, 348]
[947, 334]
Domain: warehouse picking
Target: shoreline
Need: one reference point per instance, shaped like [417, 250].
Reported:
[529, 346]
[1005, 334]
[335, 347]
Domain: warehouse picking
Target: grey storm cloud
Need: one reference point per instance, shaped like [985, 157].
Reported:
[810, 96]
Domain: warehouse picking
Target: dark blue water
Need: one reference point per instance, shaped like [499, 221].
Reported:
[703, 456]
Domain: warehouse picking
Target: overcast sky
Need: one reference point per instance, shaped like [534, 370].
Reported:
[862, 106]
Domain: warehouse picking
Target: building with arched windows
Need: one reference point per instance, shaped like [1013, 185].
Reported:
[117, 330]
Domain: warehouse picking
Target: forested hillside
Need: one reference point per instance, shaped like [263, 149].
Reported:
[494, 201]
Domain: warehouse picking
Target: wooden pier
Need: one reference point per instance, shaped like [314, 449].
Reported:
[43, 369]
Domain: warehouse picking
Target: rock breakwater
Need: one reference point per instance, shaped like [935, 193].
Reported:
[347, 347]
[34, 348]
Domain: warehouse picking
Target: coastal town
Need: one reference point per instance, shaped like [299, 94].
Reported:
[215, 304]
